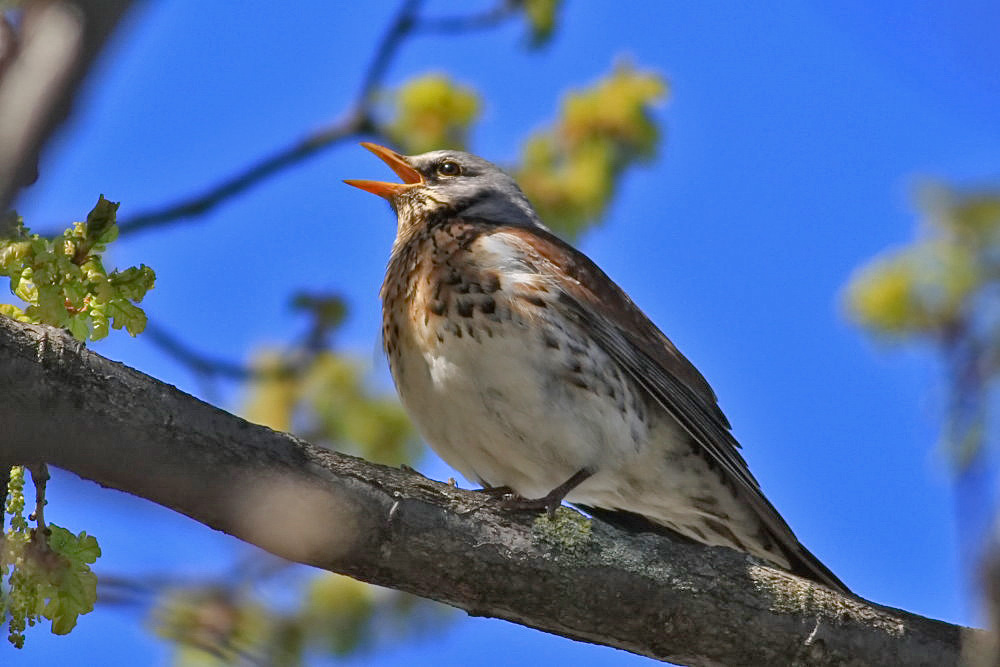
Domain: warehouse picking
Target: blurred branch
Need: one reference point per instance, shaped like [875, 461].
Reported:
[944, 288]
[254, 568]
[327, 311]
[199, 363]
[208, 369]
[135, 591]
[389, 45]
[41, 66]
[354, 126]
[490, 18]
[357, 123]
[643, 593]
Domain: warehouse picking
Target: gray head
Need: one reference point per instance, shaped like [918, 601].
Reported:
[449, 184]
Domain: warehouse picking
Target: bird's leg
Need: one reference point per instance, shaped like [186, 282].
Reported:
[551, 501]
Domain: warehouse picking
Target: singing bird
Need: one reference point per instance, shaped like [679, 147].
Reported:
[531, 372]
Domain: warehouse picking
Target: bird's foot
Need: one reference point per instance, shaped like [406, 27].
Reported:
[549, 502]
[516, 503]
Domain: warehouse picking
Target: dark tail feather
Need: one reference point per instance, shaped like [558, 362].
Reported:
[804, 564]
[809, 567]
[631, 522]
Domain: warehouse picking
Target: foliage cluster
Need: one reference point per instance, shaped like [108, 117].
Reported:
[944, 289]
[63, 280]
[569, 170]
[44, 571]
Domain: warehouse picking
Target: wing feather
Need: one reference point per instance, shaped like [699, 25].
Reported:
[600, 307]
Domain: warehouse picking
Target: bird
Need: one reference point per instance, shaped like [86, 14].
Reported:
[532, 373]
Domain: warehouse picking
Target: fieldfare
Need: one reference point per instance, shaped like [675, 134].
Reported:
[530, 371]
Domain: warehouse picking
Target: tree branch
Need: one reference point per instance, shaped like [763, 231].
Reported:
[386, 50]
[41, 67]
[687, 603]
[357, 123]
[353, 127]
[204, 366]
[451, 25]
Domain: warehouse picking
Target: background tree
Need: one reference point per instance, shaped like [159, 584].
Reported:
[285, 245]
[941, 291]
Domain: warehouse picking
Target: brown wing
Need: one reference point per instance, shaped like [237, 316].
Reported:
[655, 364]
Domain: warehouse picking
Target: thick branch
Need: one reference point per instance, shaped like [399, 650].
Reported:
[65, 405]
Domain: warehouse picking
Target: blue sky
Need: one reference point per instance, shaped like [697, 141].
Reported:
[794, 139]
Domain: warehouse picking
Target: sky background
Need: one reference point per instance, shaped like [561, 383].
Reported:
[795, 134]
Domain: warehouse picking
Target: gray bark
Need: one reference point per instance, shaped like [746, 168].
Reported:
[62, 404]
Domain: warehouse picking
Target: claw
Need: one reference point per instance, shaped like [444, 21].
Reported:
[496, 491]
[550, 502]
[518, 504]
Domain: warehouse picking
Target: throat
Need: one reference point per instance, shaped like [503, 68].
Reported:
[434, 289]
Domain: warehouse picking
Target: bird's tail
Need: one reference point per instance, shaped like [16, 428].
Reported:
[803, 562]
[806, 565]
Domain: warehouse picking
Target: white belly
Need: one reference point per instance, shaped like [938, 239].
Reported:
[503, 409]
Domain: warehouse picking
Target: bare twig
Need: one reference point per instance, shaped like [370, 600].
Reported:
[40, 478]
[385, 52]
[326, 311]
[352, 127]
[357, 123]
[255, 567]
[451, 25]
[199, 363]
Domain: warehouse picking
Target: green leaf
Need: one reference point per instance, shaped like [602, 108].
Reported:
[541, 16]
[77, 326]
[124, 314]
[63, 281]
[12, 254]
[133, 282]
[13, 312]
[571, 170]
[101, 220]
[100, 327]
[49, 307]
[73, 586]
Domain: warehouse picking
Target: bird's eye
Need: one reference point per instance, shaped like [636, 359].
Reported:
[449, 168]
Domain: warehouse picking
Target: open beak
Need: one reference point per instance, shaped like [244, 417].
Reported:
[411, 177]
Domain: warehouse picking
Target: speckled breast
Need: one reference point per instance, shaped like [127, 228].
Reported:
[498, 384]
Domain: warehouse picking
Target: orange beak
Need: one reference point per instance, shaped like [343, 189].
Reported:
[411, 177]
